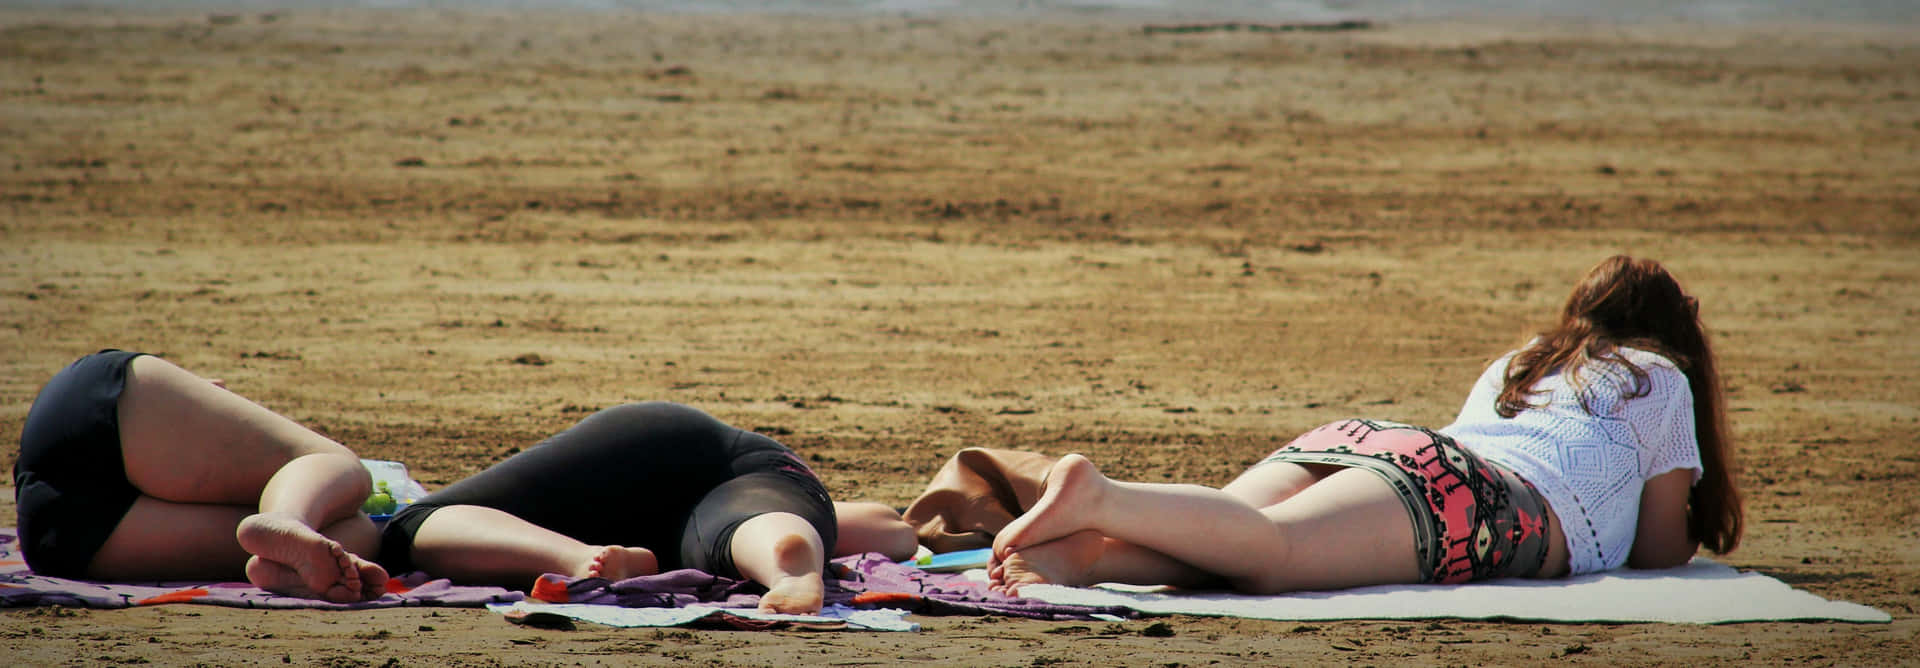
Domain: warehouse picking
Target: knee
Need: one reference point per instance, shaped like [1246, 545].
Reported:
[775, 528]
[342, 469]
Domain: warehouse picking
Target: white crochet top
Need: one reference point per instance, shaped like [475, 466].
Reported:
[1590, 464]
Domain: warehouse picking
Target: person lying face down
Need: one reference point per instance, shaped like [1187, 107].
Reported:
[132, 468]
[639, 489]
[1600, 443]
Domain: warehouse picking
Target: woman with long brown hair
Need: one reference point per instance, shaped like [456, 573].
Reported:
[1600, 443]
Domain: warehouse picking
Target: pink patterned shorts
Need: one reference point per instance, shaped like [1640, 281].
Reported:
[1472, 519]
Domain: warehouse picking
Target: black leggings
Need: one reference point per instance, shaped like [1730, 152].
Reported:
[662, 476]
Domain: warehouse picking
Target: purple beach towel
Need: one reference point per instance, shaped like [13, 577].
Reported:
[862, 581]
[859, 581]
[19, 587]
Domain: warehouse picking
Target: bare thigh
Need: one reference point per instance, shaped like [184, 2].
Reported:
[1349, 529]
[162, 540]
[188, 441]
[1267, 484]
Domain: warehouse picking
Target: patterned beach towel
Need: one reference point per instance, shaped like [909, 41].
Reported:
[868, 581]
[858, 583]
[19, 587]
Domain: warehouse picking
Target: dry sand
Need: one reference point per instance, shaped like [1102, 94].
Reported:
[439, 236]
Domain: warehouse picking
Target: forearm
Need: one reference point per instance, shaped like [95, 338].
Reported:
[1662, 558]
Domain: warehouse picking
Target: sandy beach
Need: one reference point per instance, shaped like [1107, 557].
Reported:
[439, 236]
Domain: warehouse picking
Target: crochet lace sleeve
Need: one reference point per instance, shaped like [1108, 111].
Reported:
[1663, 422]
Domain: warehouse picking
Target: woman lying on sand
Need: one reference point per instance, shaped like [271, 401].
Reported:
[638, 489]
[1598, 444]
[132, 468]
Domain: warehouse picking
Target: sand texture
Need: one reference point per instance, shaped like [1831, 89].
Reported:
[440, 236]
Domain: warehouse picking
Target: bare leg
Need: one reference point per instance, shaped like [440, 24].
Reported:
[872, 527]
[1346, 530]
[1079, 560]
[186, 441]
[1267, 485]
[1069, 560]
[202, 544]
[1087, 558]
[297, 500]
[1212, 531]
[163, 540]
[481, 544]
[784, 553]
[203, 547]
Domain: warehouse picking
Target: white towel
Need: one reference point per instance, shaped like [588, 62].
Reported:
[1701, 592]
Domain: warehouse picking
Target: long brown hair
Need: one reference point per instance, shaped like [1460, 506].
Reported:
[1635, 303]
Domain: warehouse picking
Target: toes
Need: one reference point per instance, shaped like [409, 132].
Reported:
[322, 565]
[340, 593]
[349, 571]
[373, 579]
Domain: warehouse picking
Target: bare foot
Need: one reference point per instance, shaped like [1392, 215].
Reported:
[1062, 561]
[323, 569]
[616, 563]
[373, 578]
[1074, 488]
[279, 578]
[276, 577]
[795, 595]
[799, 591]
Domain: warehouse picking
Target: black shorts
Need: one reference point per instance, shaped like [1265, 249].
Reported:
[657, 475]
[70, 484]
